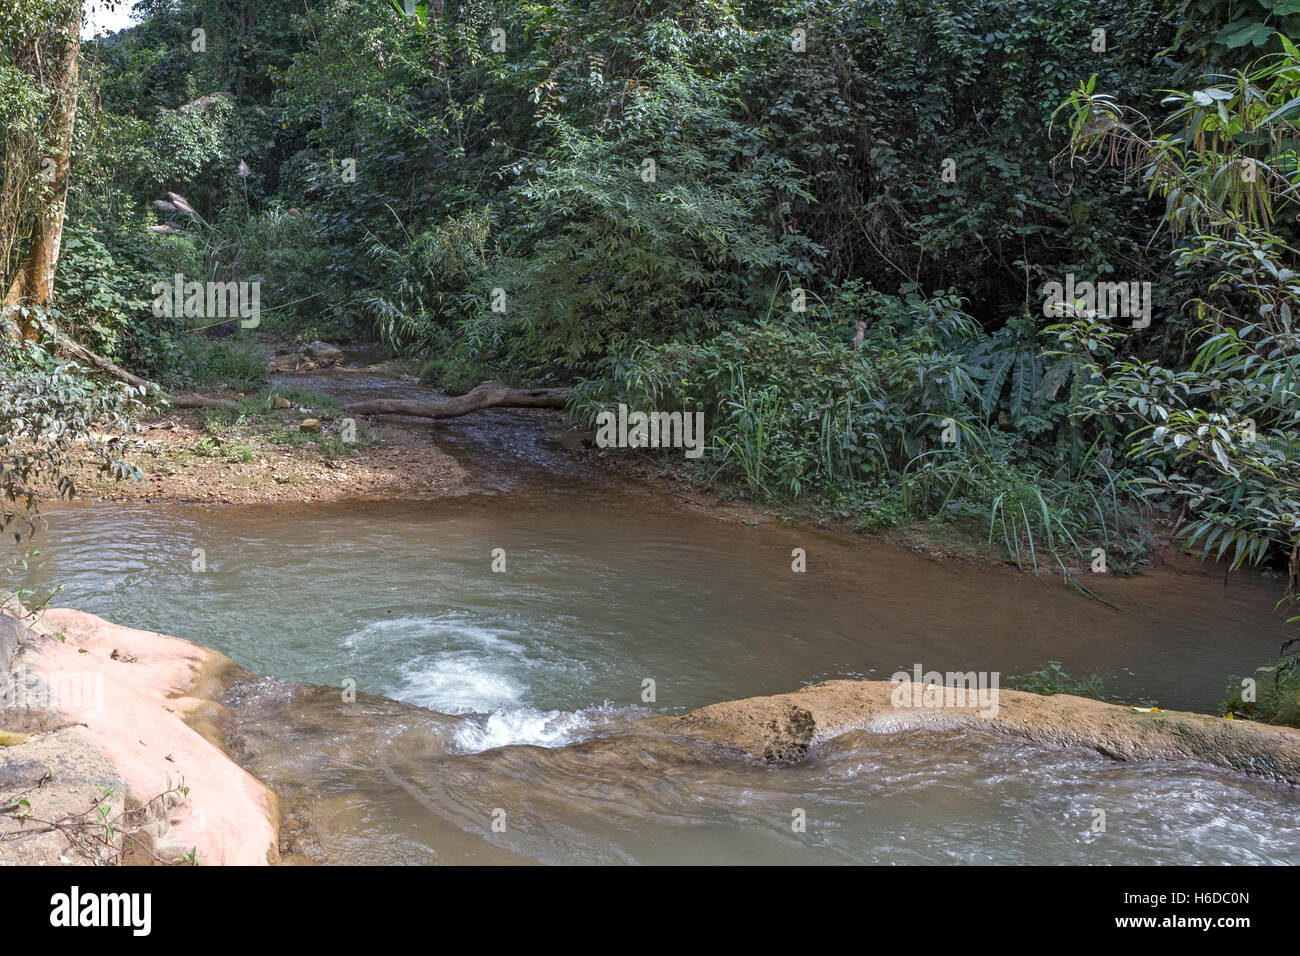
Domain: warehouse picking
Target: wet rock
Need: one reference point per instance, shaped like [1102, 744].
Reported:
[576, 440]
[786, 727]
[121, 740]
[290, 363]
[790, 735]
[324, 354]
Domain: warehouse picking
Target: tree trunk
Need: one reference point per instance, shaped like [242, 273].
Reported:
[34, 282]
[487, 395]
[195, 400]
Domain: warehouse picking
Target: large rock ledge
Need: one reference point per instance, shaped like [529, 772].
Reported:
[119, 719]
[785, 727]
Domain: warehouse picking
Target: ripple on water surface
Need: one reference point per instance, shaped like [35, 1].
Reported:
[619, 794]
[526, 683]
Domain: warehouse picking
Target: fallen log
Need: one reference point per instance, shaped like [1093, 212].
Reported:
[184, 400]
[487, 395]
[195, 400]
[86, 357]
[82, 354]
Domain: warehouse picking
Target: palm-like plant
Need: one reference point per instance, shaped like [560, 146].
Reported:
[1220, 434]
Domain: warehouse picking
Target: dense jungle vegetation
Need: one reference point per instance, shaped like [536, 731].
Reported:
[828, 224]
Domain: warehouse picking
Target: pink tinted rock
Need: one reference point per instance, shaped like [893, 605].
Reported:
[142, 706]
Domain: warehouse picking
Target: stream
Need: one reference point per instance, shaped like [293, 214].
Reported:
[509, 697]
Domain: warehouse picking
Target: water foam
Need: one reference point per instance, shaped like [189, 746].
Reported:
[484, 674]
[459, 682]
[524, 726]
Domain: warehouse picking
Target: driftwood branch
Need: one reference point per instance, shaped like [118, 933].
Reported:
[487, 395]
[184, 400]
[194, 400]
[87, 357]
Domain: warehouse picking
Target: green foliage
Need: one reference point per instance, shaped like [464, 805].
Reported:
[430, 280]
[1219, 33]
[1036, 509]
[102, 299]
[186, 151]
[824, 411]
[231, 363]
[825, 165]
[521, 170]
[1276, 691]
[903, 427]
[1217, 436]
[50, 414]
[1019, 374]
[1051, 678]
[890, 91]
[653, 222]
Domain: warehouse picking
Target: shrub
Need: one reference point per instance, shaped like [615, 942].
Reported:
[1051, 678]
[1217, 436]
[225, 363]
[50, 410]
[1277, 692]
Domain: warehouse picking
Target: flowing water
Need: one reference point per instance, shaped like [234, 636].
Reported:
[511, 695]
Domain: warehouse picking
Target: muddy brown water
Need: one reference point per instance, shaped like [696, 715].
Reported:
[500, 726]
[603, 591]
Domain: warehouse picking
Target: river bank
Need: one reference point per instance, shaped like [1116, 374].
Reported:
[411, 688]
[293, 442]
